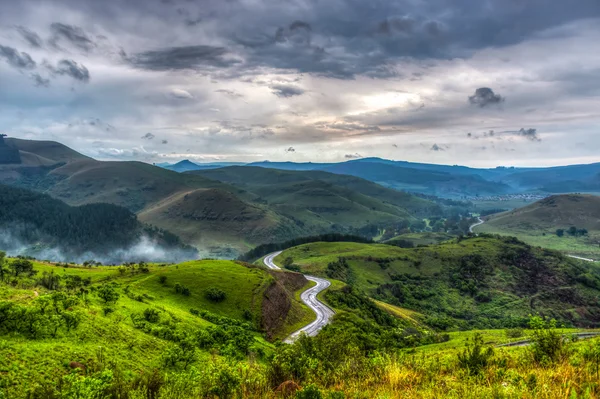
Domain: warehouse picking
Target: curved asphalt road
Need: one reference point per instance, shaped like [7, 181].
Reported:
[309, 297]
[476, 224]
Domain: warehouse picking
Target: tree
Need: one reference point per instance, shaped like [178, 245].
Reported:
[21, 266]
[560, 232]
[215, 295]
[287, 262]
[162, 280]
[2, 262]
[108, 294]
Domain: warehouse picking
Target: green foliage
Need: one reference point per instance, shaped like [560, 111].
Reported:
[21, 266]
[310, 391]
[265, 249]
[340, 270]
[151, 315]
[514, 332]
[215, 294]
[547, 344]
[476, 357]
[108, 294]
[181, 289]
[162, 280]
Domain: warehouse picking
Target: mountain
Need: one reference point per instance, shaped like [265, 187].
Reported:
[315, 198]
[537, 223]
[221, 211]
[187, 165]
[477, 282]
[36, 224]
[425, 181]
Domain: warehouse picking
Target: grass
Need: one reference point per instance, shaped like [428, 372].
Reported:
[537, 223]
[427, 238]
[587, 247]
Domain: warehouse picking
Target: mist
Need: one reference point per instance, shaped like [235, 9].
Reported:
[144, 249]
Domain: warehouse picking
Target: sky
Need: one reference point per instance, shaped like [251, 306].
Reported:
[473, 82]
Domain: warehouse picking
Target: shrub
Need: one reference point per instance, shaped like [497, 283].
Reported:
[108, 294]
[107, 310]
[151, 315]
[547, 345]
[215, 295]
[309, 392]
[162, 280]
[514, 332]
[476, 357]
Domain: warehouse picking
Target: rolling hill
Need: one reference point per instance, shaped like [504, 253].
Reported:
[221, 211]
[479, 282]
[538, 223]
[315, 198]
[36, 224]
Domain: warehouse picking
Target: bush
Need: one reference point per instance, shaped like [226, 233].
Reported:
[547, 345]
[151, 315]
[476, 357]
[162, 280]
[309, 392]
[514, 332]
[215, 295]
[108, 294]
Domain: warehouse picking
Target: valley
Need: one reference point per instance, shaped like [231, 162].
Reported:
[342, 278]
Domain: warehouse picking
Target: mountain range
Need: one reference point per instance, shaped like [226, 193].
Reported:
[451, 181]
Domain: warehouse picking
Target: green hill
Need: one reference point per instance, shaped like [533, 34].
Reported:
[538, 223]
[320, 201]
[136, 315]
[222, 212]
[480, 282]
[36, 224]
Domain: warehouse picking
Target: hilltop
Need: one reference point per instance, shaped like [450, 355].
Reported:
[479, 282]
[540, 222]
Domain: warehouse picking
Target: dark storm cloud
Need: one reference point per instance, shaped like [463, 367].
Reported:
[290, 149]
[177, 58]
[14, 58]
[286, 91]
[72, 34]
[353, 156]
[30, 36]
[148, 136]
[164, 142]
[40, 81]
[71, 68]
[436, 147]
[485, 96]
[531, 134]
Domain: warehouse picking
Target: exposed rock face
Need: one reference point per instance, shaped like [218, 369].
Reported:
[277, 300]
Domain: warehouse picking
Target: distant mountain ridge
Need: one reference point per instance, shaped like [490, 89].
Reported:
[453, 181]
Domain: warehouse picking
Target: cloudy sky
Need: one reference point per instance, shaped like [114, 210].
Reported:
[475, 82]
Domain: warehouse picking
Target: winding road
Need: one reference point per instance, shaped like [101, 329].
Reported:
[475, 224]
[309, 297]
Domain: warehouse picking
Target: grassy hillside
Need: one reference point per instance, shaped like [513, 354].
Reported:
[223, 212]
[114, 333]
[537, 223]
[55, 315]
[323, 199]
[36, 153]
[478, 282]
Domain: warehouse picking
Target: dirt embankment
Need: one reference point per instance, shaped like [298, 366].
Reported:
[277, 300]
